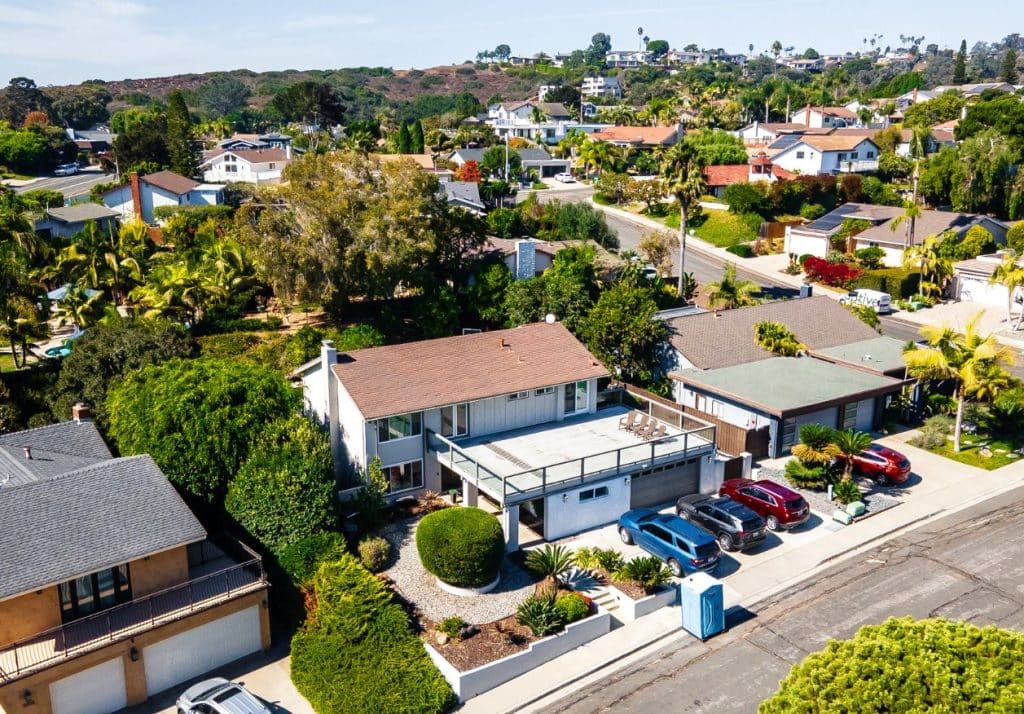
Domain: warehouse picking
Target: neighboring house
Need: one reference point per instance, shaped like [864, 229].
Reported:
[971, 281]
[914, 96]
[601, 87]
[529, 258]
[424, 161]
[142, 194]
[532, 159]
[66, 221]
[92, 141]
[759, 168]
[764, 133]
[902, 148]
[464, 194]
[820, 117]
[687, 57]
[759, 401]
[510, 417]
[638, 137]
[974, 90]
[258, 166]
[944, 134]
[628, 58]
[109, 589]
[815, 237]
[804, 65]
[828, 154]
[273, 140]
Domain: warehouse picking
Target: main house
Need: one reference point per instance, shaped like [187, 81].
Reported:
[511, 417]
[143, 194]
[259, 166]
[110, 590]
[758, 400]
[825, 154]
[816, 238]
[546, 122]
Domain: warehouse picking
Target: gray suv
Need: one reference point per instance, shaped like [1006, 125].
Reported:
[219, 696]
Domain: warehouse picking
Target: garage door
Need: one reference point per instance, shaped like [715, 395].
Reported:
[652, 488]
[201, 649]
[97, 690]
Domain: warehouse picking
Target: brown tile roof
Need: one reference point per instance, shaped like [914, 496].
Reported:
[928, 224]
[647, 135]
[170, 181]
[841, 112]
[831, 142]
[726, 174]
[712, 340]
[414, 376]
[424, 161]
[253, 156]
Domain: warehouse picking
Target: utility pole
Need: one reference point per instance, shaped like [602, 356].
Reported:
[913, 203]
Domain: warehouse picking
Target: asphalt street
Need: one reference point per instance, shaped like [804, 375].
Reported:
[71, 186]
[969, 565]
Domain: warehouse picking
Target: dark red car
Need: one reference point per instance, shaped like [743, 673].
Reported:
[882, 464]
[780, 507]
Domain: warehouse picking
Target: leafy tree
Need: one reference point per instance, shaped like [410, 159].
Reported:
[222, 94]
[416, 137]
[960, 68]
[20, 97]
[943, 108]
[197, 418]
[934, 268]
[404, 139]
[142, 142]
[1015, 237]
[1008, 73]
[284, 491]
[469, 172]
[658, 247]
[746, 198]
[731, 292]
[80, 107]
[972, 361]
[309, 101]
[486, 295]
[658, 48]
[577, 221]
[566, 95]
[905, 665]
[600, 45]
[622, 332]
[613, 186]
[524, 301]
[650, 193]
[715, 146]
[492, 163]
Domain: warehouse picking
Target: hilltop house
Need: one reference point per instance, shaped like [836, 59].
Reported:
[815, 237]
[110, 590]
[758, 401]
[513, 417]
[600, 87]
[258, 166]
[143, 194]
[826, 154]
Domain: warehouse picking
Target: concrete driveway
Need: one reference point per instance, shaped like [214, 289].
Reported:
[264, 674]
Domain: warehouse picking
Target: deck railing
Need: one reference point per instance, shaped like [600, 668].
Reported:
[123, 621]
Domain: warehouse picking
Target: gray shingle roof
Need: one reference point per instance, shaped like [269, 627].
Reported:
[467, 192]
[712, 340]
[87, 520]
[81, 212]
[56, 449]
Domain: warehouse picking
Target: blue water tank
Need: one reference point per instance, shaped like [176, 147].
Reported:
[703, 605]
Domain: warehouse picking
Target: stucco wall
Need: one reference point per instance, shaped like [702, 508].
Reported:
[565, 514]
[28, 614]
[158, 572]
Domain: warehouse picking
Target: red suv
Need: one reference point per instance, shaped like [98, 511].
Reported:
[882, 464]
[780, 507]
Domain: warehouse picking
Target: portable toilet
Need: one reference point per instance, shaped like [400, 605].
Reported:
[703, 605]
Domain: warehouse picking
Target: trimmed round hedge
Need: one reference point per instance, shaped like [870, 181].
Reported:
[463, 547]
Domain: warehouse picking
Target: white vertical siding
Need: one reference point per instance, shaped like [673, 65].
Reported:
[489, 416]
[353, 428]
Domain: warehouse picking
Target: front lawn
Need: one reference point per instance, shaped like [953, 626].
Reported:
[720, 228]
[982, 451]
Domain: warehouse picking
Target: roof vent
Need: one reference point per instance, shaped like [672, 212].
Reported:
[28, 453]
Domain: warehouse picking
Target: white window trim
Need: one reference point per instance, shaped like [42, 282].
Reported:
[518, 396]
[594, 496]
[544, 390]
[423, 480]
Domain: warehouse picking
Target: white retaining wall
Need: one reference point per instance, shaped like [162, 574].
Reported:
[630, 609]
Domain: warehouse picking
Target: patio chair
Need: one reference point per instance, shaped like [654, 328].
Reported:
[640, 426]
[642, 431]
[630, 421]
[655, 432]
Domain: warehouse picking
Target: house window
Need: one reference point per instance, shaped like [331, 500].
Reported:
[230, 168]
[398, 427]
[455, 420]
[92, 593]
[871, 154]
[799, 154]
[576, 398]
[591, 493]
[788, 433]
[716, 408]
[850, 416]
[518, 396]
[544, 390]
[272, 166]
[841, 157]
[230, 158]
[854, 155]
[404, 477]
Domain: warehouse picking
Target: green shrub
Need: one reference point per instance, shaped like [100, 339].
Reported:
[540, 614]
[899, 283]
[939, 403]
[572, 606]
[198, 212]
[374, 553]
[357, 652]
[551, 561]
[644, 571]
[302, 558]
[247, 324]
[905, 665]
[815, 447]
[451, 626]
[586, 557]
[609, 559]
[934, 432]
[461, 546]
[742, 250]
[870, 257]
[801, 476]
[846, 492]
[812, 211]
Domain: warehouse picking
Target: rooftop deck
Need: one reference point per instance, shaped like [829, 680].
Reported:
[519, 465]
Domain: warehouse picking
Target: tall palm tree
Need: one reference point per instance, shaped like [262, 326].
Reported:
[911, 212]
[974, 362]
[79, 308]
[1010, 274]
[849, 444]
[730, 292]
[683, 171]
[934, 268]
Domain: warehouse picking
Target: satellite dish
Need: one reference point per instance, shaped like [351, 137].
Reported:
[550, 318]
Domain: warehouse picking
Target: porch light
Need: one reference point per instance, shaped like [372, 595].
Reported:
[26, 697]
[565, 498]
[133, 653]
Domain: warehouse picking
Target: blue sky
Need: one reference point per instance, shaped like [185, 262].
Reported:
[61, 41]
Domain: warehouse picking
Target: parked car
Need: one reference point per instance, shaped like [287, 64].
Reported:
[734, 525]
[875, 299]
[780, 507]
[66, 170]
[683, 546]
[219, 696]
[882, 464]
[565, 177]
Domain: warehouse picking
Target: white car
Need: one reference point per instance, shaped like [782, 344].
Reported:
[219, 696]
[66, 170]
[565, 177]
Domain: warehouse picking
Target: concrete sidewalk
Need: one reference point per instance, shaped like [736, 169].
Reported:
[945, 487]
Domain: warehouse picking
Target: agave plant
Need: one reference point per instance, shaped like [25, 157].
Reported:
[540, 614]
[551, 562]
[645, 571]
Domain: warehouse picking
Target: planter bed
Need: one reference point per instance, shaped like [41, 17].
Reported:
[531, 654]
[632, 607]
[874, 497]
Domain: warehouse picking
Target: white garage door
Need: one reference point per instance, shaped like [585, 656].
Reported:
[201, 649]
[97, 690]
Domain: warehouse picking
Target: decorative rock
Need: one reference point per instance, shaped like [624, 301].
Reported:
[1013, 455]
[442, 639]
[986, 452]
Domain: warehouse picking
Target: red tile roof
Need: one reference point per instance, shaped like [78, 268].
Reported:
[647, 135]
[410, 377]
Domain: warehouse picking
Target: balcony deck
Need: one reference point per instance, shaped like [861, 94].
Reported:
[519, 465]
[211, 582]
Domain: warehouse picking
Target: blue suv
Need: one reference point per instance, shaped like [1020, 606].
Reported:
[683, 546]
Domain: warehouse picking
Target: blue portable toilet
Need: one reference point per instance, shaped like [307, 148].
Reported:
[703, 605]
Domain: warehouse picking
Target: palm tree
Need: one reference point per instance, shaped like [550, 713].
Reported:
[934, 268]
[974, 362]
[683, 172]
[849, 444]
[776, 51]
[911, 212]
[1010, 274]
[777, 339]
[79, 308]
[730, 292]
[552, 562]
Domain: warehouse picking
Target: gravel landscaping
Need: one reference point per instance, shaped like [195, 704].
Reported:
[420, 588]
[875, 497]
